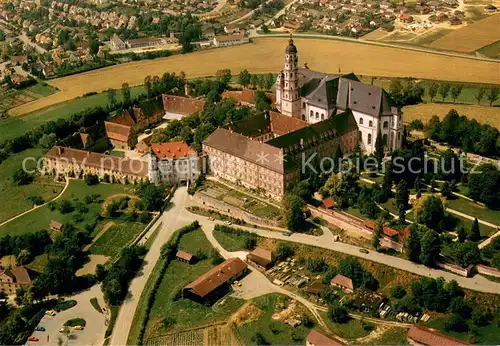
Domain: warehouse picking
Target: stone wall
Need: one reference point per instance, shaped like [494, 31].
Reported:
[482, 269]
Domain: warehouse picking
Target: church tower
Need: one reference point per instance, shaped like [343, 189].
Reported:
[289, 83]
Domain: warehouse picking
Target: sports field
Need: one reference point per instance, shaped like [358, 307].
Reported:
[424, 111]
[471, 37]
[266, 55]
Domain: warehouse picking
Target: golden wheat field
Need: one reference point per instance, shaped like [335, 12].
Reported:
[471, 37]
[424, 111]
[266, 55]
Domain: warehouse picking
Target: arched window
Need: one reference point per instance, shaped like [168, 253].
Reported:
[370, 123]
[322, 117]
[303, 117]
[311, 114]
[386, 124]
[369, 138]
[317, 115]
[361, 121]
[303, 105]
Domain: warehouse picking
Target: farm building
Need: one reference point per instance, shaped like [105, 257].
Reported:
[262, 258]
[315, 338]
[184, 256]
[343, 282]
[230, 40]
[55, 226]
[316, 288]
[419, 335]
[177, 107]
[14, 278]
[215, 283]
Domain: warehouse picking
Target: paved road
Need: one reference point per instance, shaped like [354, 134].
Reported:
[93, 334]
[170, 221]
[26, 40]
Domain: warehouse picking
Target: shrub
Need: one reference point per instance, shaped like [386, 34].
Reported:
[216, 257]
[91, 179]
[65, 207]
[283, 251]
[398, 292]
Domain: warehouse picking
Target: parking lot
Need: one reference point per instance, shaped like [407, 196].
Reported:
[92, 334]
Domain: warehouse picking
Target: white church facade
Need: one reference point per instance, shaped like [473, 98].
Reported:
[316, 96]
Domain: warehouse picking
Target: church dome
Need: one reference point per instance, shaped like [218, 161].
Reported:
[291, 49]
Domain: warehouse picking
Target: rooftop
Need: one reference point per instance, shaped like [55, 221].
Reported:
[429, 337]
[172, 150]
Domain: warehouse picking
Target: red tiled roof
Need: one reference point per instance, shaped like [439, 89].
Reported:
[246, 95]
[319, 339]
[390, 232]
[182, 105]
[429, 337]
[370, 224]
[342, 281]
[216, 277]
[328, 202]
[261, 256]
[283, 124]
[172, 150]
[124, 119]
[117, 131]
[184, 255]
[107, 162]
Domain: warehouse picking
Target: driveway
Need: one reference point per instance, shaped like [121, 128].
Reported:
[93, 334]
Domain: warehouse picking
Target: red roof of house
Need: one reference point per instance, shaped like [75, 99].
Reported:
[216, 277]
[172, 150]
[117, 131]
[429, 337]
[261, 256]
[328, 202]
[319, 339]
[246, 95]
[370, 224]
[283, 124]
[390, 232]
[182, 105]
[342, 281]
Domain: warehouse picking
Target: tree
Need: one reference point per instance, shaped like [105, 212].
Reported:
[48, 140]
[259, 339]
[475, 234]
[264, 28]
[402, 194]
[224, 75]
[432, 212]
[337, 313]
[479, 94]
[293, 212]
[91, 179]
[21, 177]
[268, 81]
[444, 90]
[377, 233]
[254, 80]
[402, 215]
[379, 148]
[446, 190]
[493, 94]
[148, 86]
[126, 94]
[466, 253]
[456, 90]
[283, 251]
[461, 234]
[430, 248]
[244, 78]
[398, 292]
[111, 98]
[152, 196]
[413, 243]
[456, 323]
[432, 90]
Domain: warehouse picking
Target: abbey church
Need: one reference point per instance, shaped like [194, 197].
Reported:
[314, 112]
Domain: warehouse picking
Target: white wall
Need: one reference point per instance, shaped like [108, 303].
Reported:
[321, 112]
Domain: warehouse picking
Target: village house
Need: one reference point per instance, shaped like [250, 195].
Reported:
[230, 40]
[316, 338]
[177, 107]
[55, 226]
[420, 335]
[215, 283]
[172, 162]
[245, 97]
[184, 256]
[14, 278]
[343, 282]
[261, 258]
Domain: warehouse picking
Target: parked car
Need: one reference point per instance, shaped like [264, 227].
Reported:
[63, 329]
[363, 250]
[50, 313]
[212, 219]
[78, 327]
[40, 329]
[32, 338]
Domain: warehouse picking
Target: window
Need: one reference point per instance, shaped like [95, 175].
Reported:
[311, 114]
[322, 117]
[361, 121]
[303, 105]
[369, 138]
[303, 117]
[386, 124]
[370, 123]
[317, 115]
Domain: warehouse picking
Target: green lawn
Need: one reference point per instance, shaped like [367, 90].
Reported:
[11, 127]
[13, 198]
[475, 210]
[230, 242]
[392, 336]
[492, 50]
[38, 263]
[351, 330]
[488, 335]
[38, 91]
[274, 331]
[185, 312]
[40, 218]
[484, 230]
[116, 238]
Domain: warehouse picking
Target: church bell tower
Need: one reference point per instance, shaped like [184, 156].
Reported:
[290, 91]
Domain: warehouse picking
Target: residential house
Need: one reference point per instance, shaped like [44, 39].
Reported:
[260, 257]
[316, 338]
[230, 40]
[343, 282]
[14, 278]
[420, 335]
[177, 107]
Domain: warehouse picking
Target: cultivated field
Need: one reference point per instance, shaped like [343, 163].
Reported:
[266, 55]
[472, 37]
[424, 111]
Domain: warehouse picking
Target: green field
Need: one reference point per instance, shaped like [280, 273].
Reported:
[230, 242]
[392, 336]
[38, 91]
[475, 210]
[116, 238]
[351, 330]
[484, 230]
[492, 50]
[11, 127]
[13, 198]
[185, 312]
[76, 191]
[275, 332]
[488, 335]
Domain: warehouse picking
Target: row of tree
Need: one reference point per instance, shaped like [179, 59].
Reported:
[444, 90]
